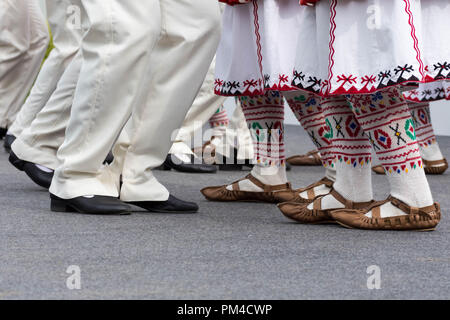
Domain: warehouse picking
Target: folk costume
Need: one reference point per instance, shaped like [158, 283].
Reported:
[355, 68]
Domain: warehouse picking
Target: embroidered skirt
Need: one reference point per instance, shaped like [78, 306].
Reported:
[337, 47]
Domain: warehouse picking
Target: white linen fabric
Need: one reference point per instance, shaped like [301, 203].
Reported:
[337, 47]
[24, 39]
[67, 31]
[145, 58]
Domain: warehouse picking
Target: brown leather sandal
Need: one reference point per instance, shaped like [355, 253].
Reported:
[208, 157]
[435, 167]
[312, 158]
[378, 169]
[418, 219]
[271, 194]
[310, 190]
[300, 212]
[430, 167]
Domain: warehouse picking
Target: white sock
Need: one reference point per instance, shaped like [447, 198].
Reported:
[330, 173]
[268, 175]
[388, 210]
[411, 187]
[352, 182]
[431, 152]
[318, 191]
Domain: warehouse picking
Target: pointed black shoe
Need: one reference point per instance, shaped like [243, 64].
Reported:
[233, 163]
[8, 141]
[188, 167]
[109, 158]
[15, 161]
[101, 205]
[172, 205]
[3, 132]
[40, 177]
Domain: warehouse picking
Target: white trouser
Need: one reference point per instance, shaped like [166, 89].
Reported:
[237, 135]
[205, 105]
[145, 58]
[67, 22]
[24, 40]
[39, 142]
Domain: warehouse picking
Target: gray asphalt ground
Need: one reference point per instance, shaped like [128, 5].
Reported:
[227, 251]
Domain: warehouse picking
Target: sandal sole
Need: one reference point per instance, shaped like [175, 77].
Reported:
[414, 230]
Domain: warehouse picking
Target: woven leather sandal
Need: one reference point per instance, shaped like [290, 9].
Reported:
[271, 194]
[310, 190]
[209, 156]
[300, 212]
[418, 219]
[312, 158]
[378, 169]
[435, 167]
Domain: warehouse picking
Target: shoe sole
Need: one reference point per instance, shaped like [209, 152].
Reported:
[414, 230]
[436, 170]
[169, 168]
[61, 206]
[312, 223]
[166, 211]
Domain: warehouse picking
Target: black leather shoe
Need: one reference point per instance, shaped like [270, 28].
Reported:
[15, 161]
[188, 167]
[234, 164]
[172, 205]
[40, 177]
[9, 139]
[109, 158]
[95, 205]
[3, 132]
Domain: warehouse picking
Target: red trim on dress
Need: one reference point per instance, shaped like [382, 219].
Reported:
[413, 35]
[333, 5]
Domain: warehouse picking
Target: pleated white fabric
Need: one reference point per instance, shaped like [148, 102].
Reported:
[337, 47]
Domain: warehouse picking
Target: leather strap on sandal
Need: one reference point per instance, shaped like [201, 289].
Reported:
[269, 188]
[324, 181]
[265, 187]
[317, 204]
[425, 211]
[315, 154]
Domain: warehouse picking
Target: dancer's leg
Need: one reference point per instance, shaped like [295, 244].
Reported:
[308, 110]
[386, 120]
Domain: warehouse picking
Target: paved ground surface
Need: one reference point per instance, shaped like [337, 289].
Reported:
[227, 251]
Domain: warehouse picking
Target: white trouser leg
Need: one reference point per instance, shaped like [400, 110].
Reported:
[205, 105]
[23, 42]
[116, 52]
[39, 142]
[67, 31]
[237, 136]
[189, 40]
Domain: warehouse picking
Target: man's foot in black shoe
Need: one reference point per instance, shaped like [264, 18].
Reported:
[3, 132]
[8, 141]
[90, 205]
[109, 158]
[171, 205]
[15, 161]
[40, 175]
[176, 163]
